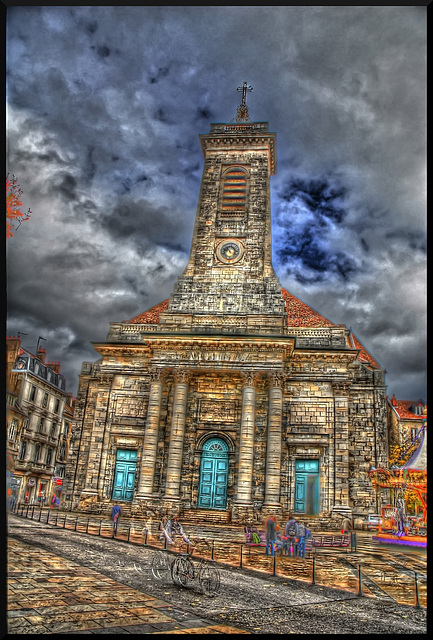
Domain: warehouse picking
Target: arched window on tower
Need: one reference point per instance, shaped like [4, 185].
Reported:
[233, 200]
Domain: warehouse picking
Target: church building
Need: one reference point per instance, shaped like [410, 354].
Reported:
[232, 399]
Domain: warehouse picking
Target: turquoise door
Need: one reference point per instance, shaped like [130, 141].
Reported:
[307, 486]
[124, 475]
[213, 475]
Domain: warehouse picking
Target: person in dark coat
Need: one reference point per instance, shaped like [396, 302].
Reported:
[271, 535]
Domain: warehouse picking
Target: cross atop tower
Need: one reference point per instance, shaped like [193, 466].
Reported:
[244, 90]
[242, 111]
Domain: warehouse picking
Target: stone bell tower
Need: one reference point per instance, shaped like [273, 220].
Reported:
[229, 282]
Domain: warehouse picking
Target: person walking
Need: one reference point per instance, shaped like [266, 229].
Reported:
[116, 512]
[271, 535]
[346, 525]
[302, 533]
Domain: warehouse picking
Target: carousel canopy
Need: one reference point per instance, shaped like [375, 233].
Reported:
[418, 460]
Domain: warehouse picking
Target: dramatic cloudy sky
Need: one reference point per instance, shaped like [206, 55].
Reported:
[105, 105]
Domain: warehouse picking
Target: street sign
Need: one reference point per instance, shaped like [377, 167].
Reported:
[59, 482]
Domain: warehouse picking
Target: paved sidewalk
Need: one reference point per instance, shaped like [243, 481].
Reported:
[50, 594]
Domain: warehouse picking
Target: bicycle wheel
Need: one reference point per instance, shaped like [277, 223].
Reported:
[160, 566]
[209, 580]
[182, 571]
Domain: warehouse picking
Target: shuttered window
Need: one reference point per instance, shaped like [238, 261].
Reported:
[234, 191]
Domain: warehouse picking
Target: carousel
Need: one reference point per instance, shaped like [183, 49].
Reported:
[396, 526]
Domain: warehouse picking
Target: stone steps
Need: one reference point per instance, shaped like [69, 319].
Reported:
[207, 516]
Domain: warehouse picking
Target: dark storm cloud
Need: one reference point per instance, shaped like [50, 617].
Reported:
[105, 105]
[309, 210]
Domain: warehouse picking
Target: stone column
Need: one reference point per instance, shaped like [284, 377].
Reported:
[274, 443]
[341, 443]
[150, 445]
[246, 443]
[100, 417]
[177, 433]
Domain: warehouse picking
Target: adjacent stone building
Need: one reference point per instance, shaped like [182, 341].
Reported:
[232, 399]
[405, 419]
[36, 397]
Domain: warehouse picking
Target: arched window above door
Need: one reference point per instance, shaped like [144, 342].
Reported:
[215, 444]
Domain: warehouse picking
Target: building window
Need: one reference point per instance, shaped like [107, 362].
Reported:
[13, 429]
[11, 400]
[49, 456]
[413, 433]
[56, 408]
[26, 423]
[37, 452]
[32, 395]
[45, 400]
[41, 425]
[62, 451]
[23, 448]
[53, 430]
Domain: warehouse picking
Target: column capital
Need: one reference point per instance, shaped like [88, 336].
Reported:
[157, 374]
[276, 380]
[250, 378]
[182, 375]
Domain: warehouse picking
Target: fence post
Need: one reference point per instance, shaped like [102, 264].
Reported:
[40, 514]
[359, 581]
[212, 552]
[75, 525]
[145, 537]
[313, 577]
[57, 517]
[33, 512]
[417, 604]
[274, 569]
[353, 541]
[27, 512]
[241, 558]
[64, 522]
[165, 543]
[129, 531]
[48, 516]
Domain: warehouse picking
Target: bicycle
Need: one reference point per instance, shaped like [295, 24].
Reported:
[184, 571]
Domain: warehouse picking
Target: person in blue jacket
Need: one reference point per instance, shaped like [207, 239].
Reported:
[115, 515]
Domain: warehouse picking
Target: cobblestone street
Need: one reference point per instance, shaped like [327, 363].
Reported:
[65, 581]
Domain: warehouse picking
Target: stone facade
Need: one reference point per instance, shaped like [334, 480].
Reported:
[233, 395]
[37, 398]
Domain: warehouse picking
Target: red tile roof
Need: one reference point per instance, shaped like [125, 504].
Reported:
[403, 409]
[364, 356]
[151, 316]
[299, 314]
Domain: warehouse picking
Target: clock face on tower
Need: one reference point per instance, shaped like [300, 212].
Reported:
[229, 251]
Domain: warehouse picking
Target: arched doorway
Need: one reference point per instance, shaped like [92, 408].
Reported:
[214, 469]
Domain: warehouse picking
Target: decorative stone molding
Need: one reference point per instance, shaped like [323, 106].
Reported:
[341, 388]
